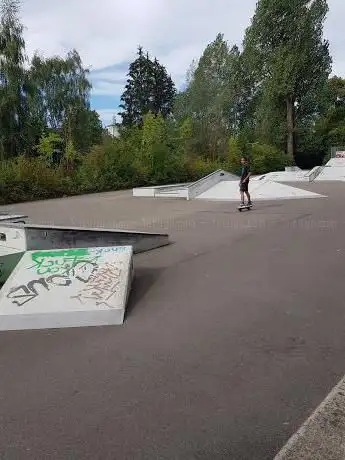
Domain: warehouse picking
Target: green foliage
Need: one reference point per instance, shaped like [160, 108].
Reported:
[149, 88]
[48, 145]
[292, 64]
[13, 85]
[28, 179]
[209, 101]
[61, 87]
[266, 158]
[233, 162]
[273, 97]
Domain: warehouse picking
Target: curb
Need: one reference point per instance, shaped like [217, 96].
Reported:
[322, 436]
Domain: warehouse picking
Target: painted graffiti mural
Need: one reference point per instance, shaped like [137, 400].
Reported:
[104, 283]
[89, 275]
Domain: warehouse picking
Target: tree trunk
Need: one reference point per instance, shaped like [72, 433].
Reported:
[290, 118]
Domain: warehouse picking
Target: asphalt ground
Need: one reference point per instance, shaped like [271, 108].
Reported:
[234, 334]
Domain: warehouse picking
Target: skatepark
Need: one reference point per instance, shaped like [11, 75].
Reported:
[225, 334]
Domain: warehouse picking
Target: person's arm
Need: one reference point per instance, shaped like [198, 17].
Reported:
[247, 176]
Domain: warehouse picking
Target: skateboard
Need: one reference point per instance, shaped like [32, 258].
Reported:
[248, 207]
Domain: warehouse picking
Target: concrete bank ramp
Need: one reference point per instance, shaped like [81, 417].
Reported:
[331, 173]
[287, 176]
[16, 218]
[263, 189]
[322, 436]
[336, 162]
[27, 237]
[67, 288]
[188, 191]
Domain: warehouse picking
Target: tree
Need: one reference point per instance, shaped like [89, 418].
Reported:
[213, 98]
[86, 128]
[285, 45]
[330, 127]
[13, 85]
[61, 87]
[149, 88]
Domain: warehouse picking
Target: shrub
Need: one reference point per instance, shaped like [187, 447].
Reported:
[28, 179]
[266, 158]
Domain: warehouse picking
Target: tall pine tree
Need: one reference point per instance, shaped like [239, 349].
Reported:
[149, 88]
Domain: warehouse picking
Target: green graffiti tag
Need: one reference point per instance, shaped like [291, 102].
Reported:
[60, 253]
[62, 262]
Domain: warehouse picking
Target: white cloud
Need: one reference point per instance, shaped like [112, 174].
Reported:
[107, 115]
[107, 32]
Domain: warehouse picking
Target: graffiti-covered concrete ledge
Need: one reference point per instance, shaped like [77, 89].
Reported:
[67, 288]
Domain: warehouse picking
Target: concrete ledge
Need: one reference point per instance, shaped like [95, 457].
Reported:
[322, 436]
[68, 288]
[28, 237]
[316, 171]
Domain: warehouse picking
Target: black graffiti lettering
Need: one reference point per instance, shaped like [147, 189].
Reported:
[59, 280]
[23, 294]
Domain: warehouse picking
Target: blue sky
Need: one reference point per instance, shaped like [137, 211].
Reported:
[108, 86]
[107, 33]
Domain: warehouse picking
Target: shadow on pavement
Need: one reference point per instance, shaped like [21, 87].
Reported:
[144, 279]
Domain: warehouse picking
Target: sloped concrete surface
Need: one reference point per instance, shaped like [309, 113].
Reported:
[264, 189]
[322, 436]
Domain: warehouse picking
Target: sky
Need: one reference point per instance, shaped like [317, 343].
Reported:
[107, 33]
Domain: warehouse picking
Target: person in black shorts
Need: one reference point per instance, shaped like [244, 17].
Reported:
[244, 182]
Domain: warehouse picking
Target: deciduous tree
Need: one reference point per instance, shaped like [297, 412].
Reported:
[292, 62]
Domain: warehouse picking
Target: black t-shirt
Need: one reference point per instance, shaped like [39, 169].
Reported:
[245, 172]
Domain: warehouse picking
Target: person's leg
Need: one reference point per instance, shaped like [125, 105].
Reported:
[245, 191]
[248, 197]
[242, 194]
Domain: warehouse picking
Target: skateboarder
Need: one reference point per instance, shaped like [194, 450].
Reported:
[244, 182]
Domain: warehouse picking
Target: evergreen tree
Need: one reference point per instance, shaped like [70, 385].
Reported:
[149, 89]
[163, 91]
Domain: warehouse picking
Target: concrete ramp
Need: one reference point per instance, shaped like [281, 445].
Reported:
[156, 190]
[259, 189]
[67, 288]
[16, 218]
[188, 191]
[287, 176]
[27, 237]
[331, 173]
[336, 162]
[9, 258]
[204, 184]
[12, 248]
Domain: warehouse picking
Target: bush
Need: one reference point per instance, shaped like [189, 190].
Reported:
[29, 179]
[197, 168]
[266, 158]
